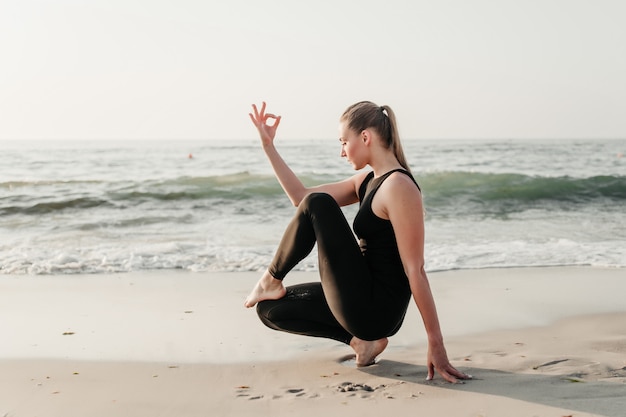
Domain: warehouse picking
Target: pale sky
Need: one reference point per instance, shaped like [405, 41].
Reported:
[189, 69]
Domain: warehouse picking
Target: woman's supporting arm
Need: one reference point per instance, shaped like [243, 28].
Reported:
[403, 206]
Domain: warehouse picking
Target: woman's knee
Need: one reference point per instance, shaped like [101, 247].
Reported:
[317, 201]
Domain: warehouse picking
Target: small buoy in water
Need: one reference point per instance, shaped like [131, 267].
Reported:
[620, 155]
[190, 156]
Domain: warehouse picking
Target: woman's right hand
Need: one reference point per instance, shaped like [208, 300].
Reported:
[437, 360]
[260, 120]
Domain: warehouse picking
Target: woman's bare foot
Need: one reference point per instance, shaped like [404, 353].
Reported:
[268, 288]
[366, 351]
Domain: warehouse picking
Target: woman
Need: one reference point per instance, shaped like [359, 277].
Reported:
[365, 287]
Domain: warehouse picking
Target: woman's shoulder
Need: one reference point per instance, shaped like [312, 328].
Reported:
[401, 195]
[399, 188]
[402, 181]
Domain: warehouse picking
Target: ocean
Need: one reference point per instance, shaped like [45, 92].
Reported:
[69, 207]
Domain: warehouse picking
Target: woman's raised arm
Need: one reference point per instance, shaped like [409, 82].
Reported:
[344, 192]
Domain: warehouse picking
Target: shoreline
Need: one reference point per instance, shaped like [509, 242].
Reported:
[539, 341]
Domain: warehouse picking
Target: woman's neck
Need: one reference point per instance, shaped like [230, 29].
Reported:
[383, 163]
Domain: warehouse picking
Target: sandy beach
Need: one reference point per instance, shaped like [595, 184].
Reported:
[538, 341]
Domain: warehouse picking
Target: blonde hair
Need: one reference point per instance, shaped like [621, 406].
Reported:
[367, 115]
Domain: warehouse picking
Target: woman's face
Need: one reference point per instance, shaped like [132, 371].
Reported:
[352, 147]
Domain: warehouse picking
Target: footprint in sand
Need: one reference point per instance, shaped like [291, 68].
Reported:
[300, 392]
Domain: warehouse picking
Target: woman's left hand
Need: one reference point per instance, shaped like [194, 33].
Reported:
[438, 360]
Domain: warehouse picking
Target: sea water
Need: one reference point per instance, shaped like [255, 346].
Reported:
[115, 206]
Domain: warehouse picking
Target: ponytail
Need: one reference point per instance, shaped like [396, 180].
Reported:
[394, 137]
[365, 115]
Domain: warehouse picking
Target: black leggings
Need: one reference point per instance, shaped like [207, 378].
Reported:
[349, 301]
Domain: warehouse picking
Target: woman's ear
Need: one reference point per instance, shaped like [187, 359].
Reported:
[365, 136]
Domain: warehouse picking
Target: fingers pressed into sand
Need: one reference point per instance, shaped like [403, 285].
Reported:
[459, 374]
[448, 377]
[431, 372]
[449, 373]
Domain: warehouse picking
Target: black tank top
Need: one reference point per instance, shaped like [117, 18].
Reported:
[377, 239]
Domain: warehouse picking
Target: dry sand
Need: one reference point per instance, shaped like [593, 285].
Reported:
[538, 341]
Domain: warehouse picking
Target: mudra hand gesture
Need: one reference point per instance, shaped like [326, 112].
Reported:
[260, 120]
